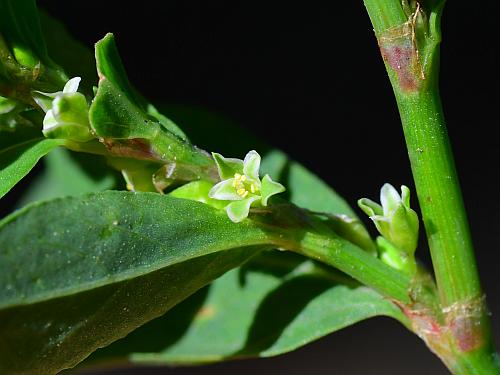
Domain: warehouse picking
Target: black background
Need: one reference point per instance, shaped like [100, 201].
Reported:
[308, 78]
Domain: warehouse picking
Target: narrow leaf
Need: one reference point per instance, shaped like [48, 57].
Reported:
[16, 161]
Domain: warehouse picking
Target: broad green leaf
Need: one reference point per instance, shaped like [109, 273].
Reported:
[272, 305]
[16, 161]
[277, 303]
[80, 273]
[89, 173]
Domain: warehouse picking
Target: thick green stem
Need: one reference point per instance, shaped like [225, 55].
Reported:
[440, 198]
[409, 37]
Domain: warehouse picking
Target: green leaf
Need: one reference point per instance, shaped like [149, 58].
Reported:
[130, 132]
[244, 313]
[16, 161]
[272, 305]
[80, 273]
[110, 66]
[113, 115]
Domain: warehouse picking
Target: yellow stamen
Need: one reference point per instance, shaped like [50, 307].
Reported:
[239, 185]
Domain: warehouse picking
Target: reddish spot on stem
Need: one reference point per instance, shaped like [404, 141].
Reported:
[399, 50]
[468, 333]
[402, 58]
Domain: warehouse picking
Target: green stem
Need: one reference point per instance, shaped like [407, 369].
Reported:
[355, 262]
[298, 230]
[481, 362]
[409, 42]
[438, 189]
[440, 198]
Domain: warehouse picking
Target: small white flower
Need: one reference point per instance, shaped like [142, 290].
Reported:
[241, 185]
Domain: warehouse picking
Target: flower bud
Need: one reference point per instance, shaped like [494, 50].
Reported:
[394, 218]
[68, 118]
[67, 113]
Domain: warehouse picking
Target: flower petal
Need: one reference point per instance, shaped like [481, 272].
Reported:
[225, 191]
[405, 196]
[269, 188]
[227, 167]
[389, 198]
[198, 191]
[72, 85]
[44, 99]
[251, 165]
[370, 207]
[49, 121]
[237, 211]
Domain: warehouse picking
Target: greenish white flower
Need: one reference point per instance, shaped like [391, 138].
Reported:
[241, 185]
[394, 218]
[66, 113]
